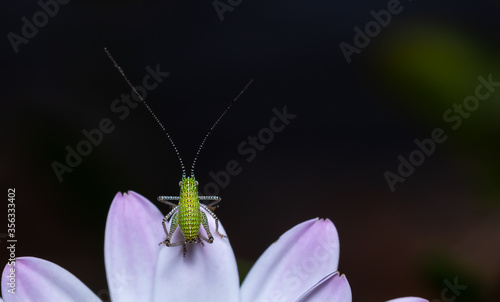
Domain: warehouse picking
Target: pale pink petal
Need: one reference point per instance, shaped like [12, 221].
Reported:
[300, 258]
[208, 273]
[331, 288]
[38, 280]
[133, 231]
[409, 299]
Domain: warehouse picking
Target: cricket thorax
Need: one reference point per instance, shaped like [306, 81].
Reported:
[189, 209]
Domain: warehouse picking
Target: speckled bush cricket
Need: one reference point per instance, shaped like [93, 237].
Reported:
[187, 213]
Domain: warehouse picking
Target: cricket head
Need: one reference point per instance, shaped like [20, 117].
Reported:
[188, 184]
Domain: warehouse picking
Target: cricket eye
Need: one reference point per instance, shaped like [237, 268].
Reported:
[180, 183]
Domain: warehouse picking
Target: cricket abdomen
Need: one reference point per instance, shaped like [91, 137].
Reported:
[189, 209]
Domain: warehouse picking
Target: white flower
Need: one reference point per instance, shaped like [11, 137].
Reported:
[301, 266]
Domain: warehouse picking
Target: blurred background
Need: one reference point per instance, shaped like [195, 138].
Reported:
[353, 122]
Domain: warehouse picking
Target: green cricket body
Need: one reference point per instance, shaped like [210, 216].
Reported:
[187, 215]
[189, 209]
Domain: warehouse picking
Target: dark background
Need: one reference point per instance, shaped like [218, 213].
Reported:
[353, 121]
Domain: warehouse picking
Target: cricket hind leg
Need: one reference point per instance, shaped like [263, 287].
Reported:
[198, 239]
[167, 217]
[204, 222]
[216, 221]
[174, 224]
[173, 227]
[183, 243]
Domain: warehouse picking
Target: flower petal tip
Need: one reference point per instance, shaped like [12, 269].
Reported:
[41, 280]
[133, 230]
[312, 247]
[125, 194]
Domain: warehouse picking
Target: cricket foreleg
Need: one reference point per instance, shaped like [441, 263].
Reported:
[165, 200]
[215, 199]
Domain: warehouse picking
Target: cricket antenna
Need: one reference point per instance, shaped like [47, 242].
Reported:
[215, 124]
[149, 109]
